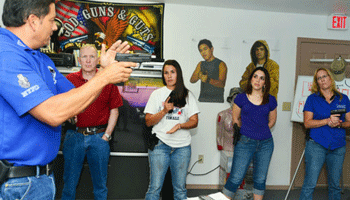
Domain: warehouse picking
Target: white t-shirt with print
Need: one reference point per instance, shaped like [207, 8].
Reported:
[155, 104]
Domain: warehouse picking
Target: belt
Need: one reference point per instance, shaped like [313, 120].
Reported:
[92, 130]
[24, 171]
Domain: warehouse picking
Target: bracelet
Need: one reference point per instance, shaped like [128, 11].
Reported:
[180, 126]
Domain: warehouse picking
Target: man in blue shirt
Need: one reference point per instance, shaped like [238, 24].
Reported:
[35, 99]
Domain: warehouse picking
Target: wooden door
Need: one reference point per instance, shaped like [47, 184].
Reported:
[307, 49]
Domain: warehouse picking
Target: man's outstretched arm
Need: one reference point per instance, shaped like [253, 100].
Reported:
[57, 109]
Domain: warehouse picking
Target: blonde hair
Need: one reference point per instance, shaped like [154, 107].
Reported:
[316, 88]
[87, 46]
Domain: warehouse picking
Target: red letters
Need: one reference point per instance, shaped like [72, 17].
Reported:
[339, 22]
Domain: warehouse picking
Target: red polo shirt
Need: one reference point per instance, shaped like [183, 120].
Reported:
[98, 112]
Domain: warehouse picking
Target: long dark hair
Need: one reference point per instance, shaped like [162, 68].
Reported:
[266, 89]
[253, 52]
[179, 94]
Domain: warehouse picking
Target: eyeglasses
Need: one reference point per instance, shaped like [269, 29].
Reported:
[322, 77]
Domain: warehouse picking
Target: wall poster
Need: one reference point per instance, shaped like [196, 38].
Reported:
[82, 22]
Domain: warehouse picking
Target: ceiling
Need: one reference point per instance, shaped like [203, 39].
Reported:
[313, 7]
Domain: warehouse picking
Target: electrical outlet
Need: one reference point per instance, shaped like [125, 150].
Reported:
[200, 159]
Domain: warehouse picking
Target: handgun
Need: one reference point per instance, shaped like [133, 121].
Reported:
[236, 133]
[171, 100]
[338, 111]
[134, 57]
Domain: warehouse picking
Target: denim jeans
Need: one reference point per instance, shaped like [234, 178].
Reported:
[29, 188]
[75, 147]
[245, 150]
[160, 159]
[315, 156]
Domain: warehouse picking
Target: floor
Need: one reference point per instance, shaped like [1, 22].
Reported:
[319, 194]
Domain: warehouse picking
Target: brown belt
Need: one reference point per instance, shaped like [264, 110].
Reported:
[92, 130]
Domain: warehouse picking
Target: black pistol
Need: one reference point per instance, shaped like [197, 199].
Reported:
[236, 133]
[134, 57]
[171, 100]
[338, 111]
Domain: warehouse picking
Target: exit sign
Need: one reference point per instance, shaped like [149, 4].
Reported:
[337, 22]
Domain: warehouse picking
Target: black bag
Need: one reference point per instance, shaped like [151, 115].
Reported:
[4, 170]
[236, 133]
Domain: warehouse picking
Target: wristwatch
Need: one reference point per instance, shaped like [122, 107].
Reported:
[108, 136]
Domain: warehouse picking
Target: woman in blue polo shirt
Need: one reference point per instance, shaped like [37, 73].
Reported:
[326, 141]
[255, 112]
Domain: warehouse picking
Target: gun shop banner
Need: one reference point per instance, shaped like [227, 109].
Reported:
[90, 22]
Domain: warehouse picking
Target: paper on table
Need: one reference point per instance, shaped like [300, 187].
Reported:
[218, 196]
[194, 198]
[215, 196]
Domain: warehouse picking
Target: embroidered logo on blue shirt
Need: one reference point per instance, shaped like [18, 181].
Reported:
[341, 106]
[20, 43]
[30, 90]
[53, 73]
[23, 81]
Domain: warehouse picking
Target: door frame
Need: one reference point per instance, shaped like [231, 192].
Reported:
[298, 140]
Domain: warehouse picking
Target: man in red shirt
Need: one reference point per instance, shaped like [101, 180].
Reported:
[95, 126]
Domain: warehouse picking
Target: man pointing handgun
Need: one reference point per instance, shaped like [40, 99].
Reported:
[36, 99]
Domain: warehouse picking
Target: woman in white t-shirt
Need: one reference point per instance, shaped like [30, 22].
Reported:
[171, 110]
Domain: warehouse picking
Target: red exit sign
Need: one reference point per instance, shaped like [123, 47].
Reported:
[338, 22]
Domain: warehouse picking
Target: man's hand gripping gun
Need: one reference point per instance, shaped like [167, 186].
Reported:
[134, 57]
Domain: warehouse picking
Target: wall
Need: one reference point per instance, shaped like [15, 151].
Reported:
[184, 23]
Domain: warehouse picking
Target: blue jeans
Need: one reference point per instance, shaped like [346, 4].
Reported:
[75, 147]
[28, 188]
[245, 150]
[315, 156]
[160, 159]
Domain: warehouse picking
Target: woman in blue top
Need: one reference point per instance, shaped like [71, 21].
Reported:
[326, 141]
[255, 112]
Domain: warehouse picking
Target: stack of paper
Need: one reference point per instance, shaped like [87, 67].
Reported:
[215, 196]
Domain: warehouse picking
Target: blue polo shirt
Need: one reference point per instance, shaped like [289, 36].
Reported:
[27, 78]
[330, 138]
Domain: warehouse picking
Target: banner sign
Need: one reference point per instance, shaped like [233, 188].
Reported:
[90, 22]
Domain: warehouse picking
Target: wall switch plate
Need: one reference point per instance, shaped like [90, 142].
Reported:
[286, 106]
